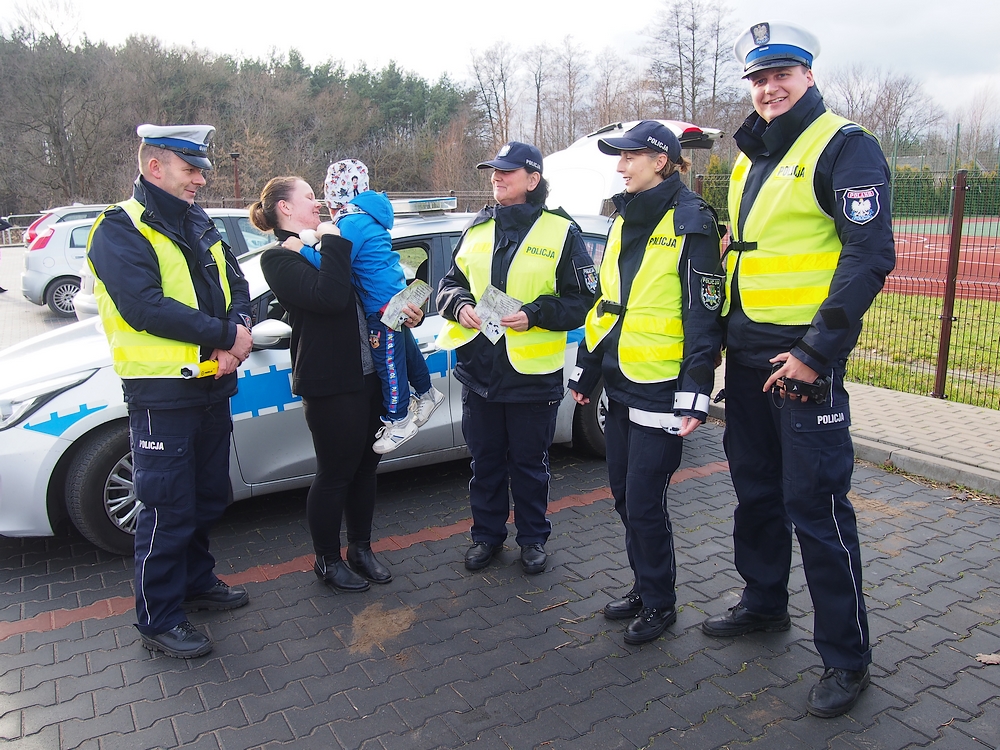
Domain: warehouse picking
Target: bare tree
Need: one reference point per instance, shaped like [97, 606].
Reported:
[495, 73]
[615, 83]
[568, 99]
[980, 132]
[541, 79]
[692, 72]
[893, 106]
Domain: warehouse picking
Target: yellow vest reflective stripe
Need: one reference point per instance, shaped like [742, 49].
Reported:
[787, 277]
[138, 354]
[651, 340]
[532, 273]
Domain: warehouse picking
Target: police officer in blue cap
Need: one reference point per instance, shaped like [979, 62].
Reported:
[810, 246]
[170, 294]
[653, 335]
[512, 388]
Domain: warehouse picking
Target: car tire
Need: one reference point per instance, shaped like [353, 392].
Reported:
[588, 423]
[59, 296]
[100, 498]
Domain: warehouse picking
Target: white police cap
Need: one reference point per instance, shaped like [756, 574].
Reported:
[190, 142]
[775, 44]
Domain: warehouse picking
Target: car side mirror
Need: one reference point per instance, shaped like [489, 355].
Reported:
[271, 334]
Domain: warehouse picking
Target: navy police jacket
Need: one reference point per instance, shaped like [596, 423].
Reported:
[483, 367]
[127, 264]
[852, 159]
[701, 279]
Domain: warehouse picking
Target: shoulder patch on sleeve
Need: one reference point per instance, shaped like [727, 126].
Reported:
[709, 289]
[588, 275]
[861, 205]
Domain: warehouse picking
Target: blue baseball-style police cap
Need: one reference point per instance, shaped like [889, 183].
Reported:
[775, 44]
[647, 134]
[515, 155]
[190, 142]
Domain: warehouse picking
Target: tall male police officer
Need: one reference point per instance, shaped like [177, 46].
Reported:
[171, 294]
[811, 245]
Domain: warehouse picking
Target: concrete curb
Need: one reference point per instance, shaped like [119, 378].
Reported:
[934, 468]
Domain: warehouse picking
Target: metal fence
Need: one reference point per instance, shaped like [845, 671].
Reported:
[934, 329]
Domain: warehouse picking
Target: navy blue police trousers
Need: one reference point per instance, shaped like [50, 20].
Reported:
[791, 464]
[641, 461]
[180, 469]
[509, 443]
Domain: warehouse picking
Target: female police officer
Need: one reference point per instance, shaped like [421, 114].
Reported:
[512, 389]
[654, 335]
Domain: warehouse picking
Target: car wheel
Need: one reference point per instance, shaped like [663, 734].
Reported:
[588, 424]
[100, 498]
[59, 296]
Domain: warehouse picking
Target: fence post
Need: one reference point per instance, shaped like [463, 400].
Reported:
[699, 184]
[951, 281]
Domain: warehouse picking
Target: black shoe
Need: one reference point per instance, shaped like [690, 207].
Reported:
[335, 573]
[836, 692]
[363, 562]
[624, 609]
[478, 556]
[182, 642]
[533, 558]
[649, 625]
[220, 596]
[740, 620]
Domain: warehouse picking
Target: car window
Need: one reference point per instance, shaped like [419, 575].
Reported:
[220, 224]
[90, 213]
[78, 237]
[415, 262]
[595, 247]
[255, 238]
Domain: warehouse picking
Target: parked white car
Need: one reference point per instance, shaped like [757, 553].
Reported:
[64, 450]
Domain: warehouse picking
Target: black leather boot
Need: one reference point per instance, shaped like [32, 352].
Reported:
[334, 573]
[363, 562]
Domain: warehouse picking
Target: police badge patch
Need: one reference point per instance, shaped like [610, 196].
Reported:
[711, 291]
[861, 205]
[761, 33]
[589, 278]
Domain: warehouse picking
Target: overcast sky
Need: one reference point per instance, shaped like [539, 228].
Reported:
[952, 47]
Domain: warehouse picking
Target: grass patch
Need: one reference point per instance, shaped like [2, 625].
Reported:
[899, 344]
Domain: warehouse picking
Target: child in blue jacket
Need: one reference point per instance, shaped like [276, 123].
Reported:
[365, 217]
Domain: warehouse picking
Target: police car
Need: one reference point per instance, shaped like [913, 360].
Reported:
[64, 450]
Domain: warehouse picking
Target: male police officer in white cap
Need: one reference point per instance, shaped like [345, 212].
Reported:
[810, 247]
[170, 294]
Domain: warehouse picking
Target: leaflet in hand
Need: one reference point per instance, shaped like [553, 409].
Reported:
[493, 306]
[417, 292]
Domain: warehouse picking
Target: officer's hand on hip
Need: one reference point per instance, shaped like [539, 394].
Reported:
[516, 322]
[790, 368]
[468, 319]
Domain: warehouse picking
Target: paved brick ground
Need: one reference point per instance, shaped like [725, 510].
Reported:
[444, 658]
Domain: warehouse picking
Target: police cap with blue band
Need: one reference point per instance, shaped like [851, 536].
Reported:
[775, 44]
[515, 155]
[190, 142]
[648, 134]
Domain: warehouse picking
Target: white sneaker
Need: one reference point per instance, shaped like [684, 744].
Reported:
[425, 405]
[391, 435]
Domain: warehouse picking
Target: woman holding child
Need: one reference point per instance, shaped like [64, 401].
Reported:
[333, 372]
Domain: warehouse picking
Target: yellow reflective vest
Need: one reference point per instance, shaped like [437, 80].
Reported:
[532, 273]
[138, 354]
[785, 279]
[651, 340]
